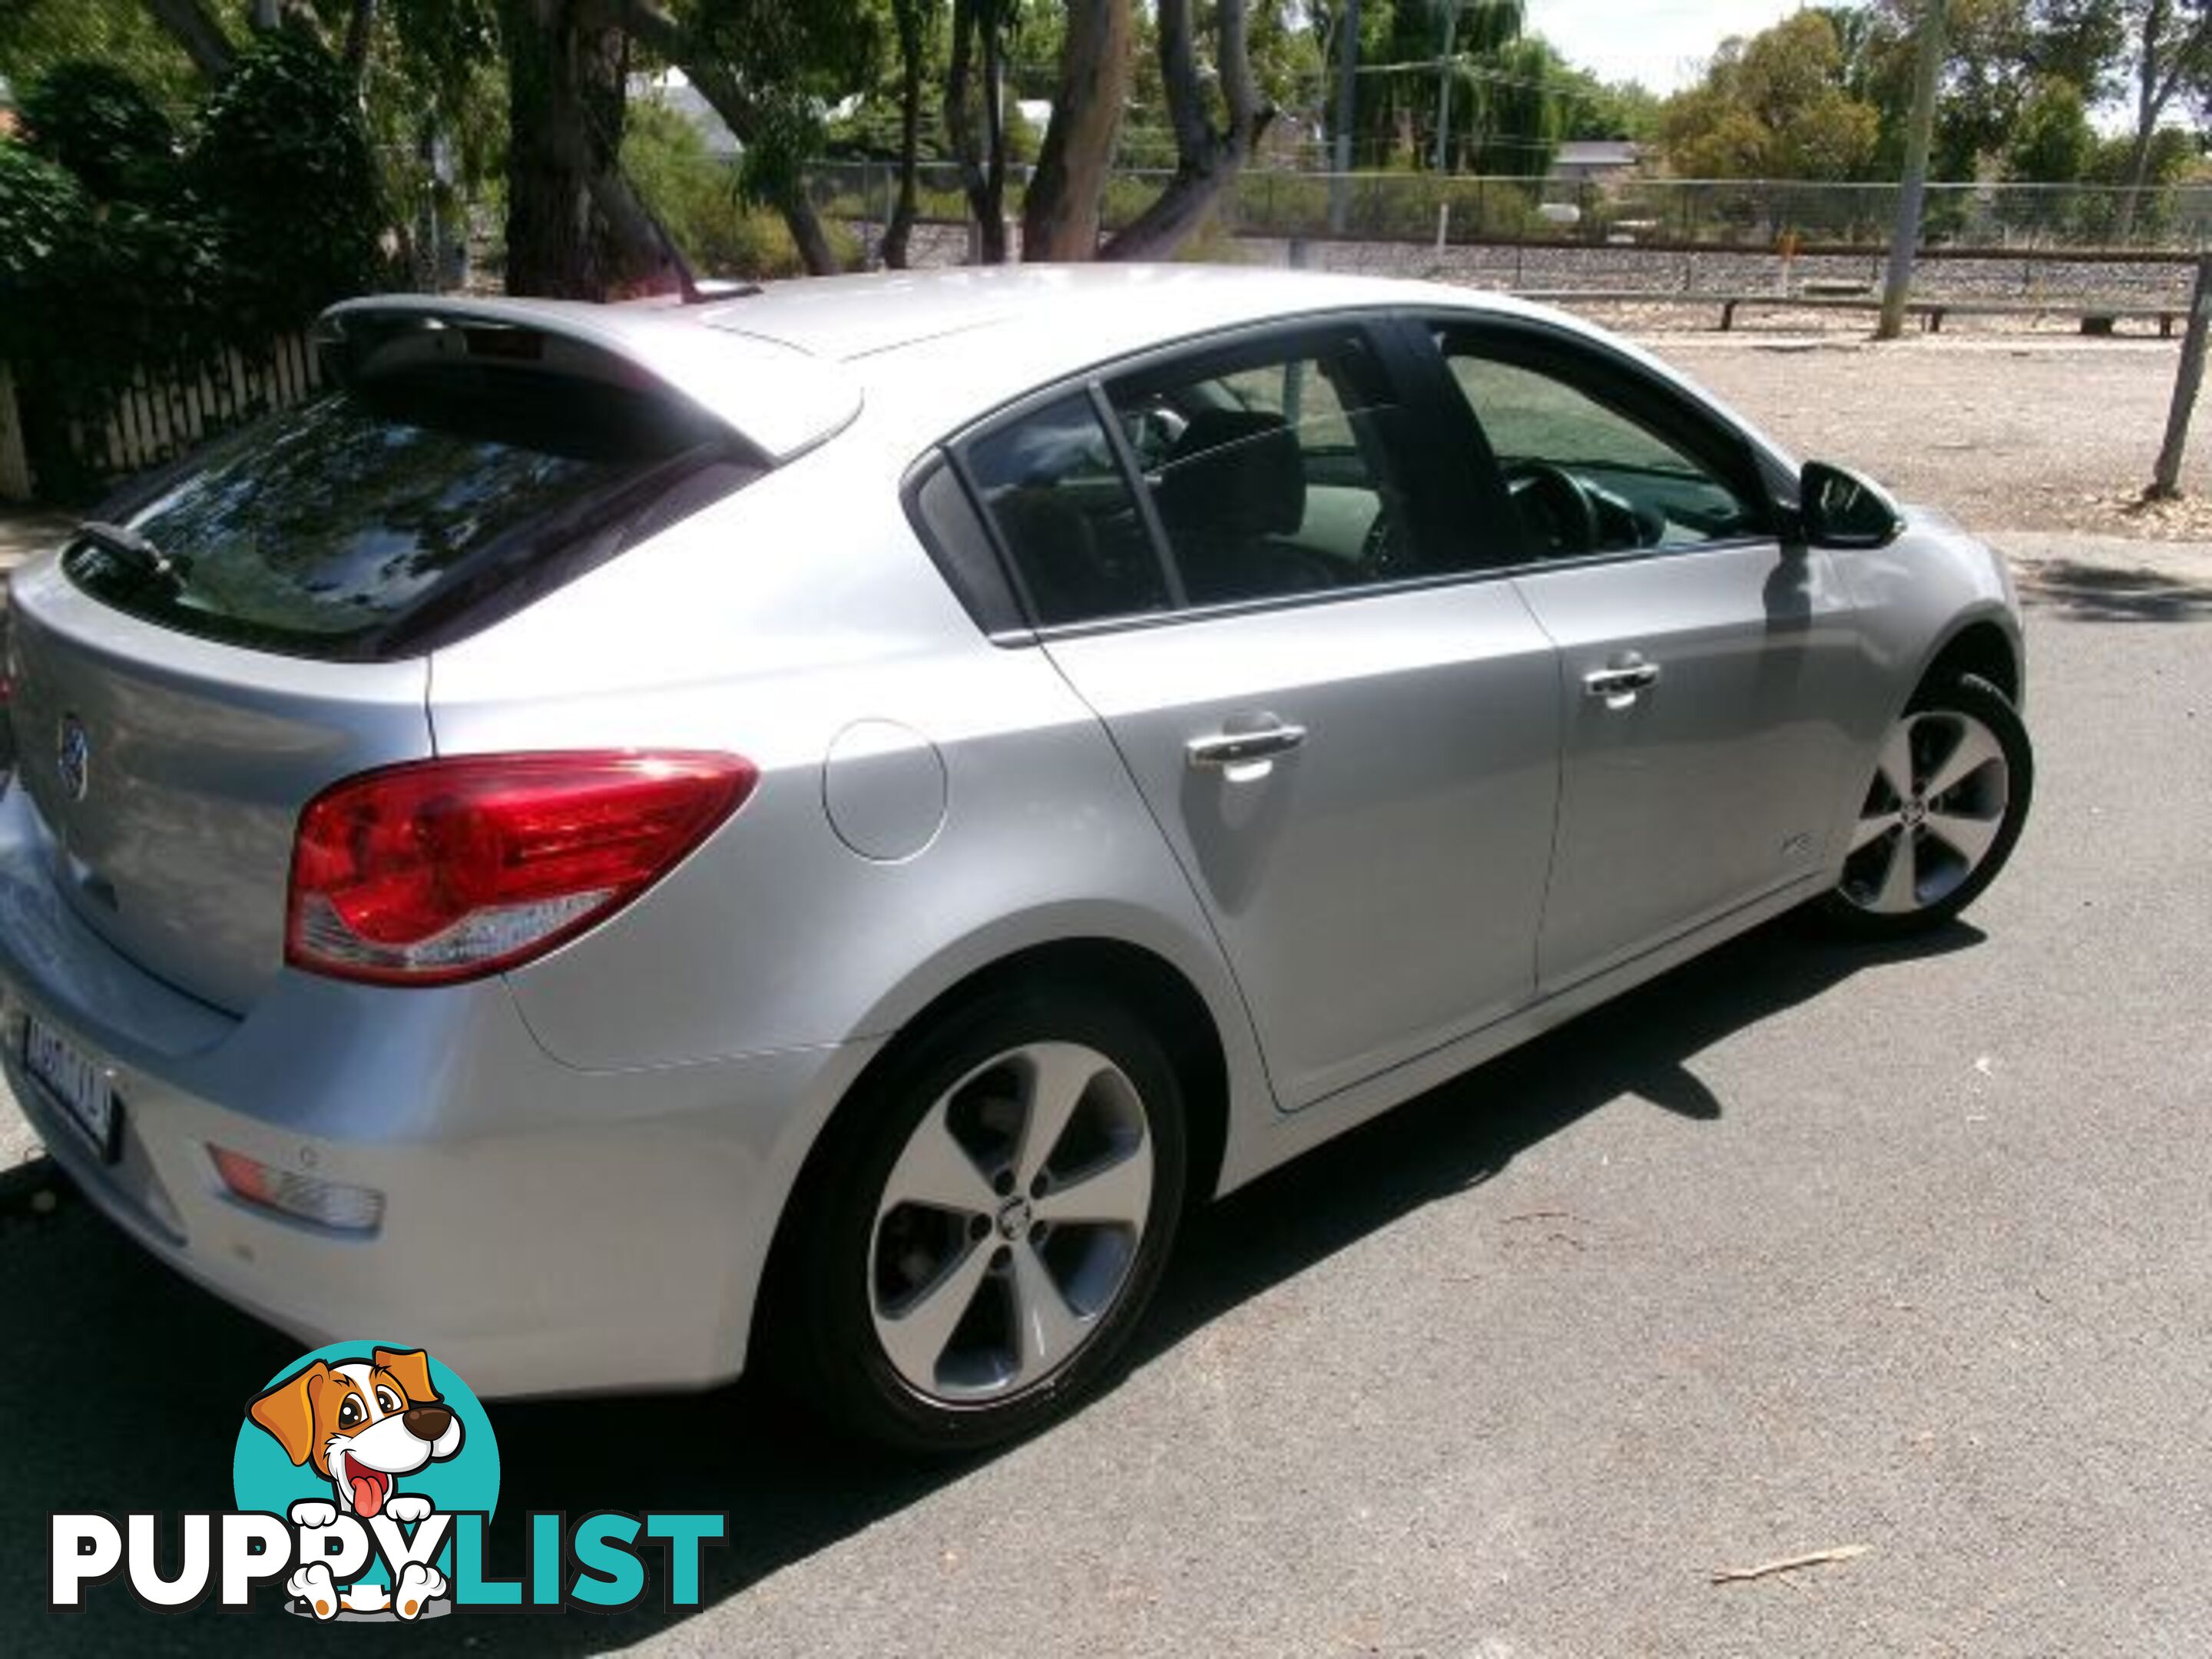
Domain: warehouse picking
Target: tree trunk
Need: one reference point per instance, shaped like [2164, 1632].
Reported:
[2147, 103]
[1207, 160]
[194, 28]
[807, 235]
[574, 228]
[2163, 62]
[269, 15]
[2138, 170]
[361, 31]
[1060, 219]
[983, 156]
[710, 76]
[911, 19]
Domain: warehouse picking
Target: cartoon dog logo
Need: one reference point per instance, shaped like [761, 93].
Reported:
[362, 1424]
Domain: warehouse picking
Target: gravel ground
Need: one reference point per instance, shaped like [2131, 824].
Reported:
[2042, 435]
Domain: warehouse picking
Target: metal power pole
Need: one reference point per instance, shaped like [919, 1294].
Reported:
[2166, 483]
[1347, 109]
[1906, 241]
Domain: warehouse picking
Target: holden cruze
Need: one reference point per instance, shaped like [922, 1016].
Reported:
[629, 843]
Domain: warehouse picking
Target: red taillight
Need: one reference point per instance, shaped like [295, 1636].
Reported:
[447, 870]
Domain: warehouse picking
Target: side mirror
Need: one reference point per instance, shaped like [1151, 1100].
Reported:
[1839, 508]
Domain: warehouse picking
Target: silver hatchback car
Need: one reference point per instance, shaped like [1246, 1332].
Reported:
[626, 842]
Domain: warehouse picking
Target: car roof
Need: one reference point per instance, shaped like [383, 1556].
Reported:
[941, 348]
[788, 364]
[966, 339]
[1124, 305]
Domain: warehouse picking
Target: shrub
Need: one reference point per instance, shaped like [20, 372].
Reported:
[93, 120]
[283, 170]
[46, 231]
[696, 198]
[119, 257]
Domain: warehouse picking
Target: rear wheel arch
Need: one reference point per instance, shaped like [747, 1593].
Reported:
[1139, 980]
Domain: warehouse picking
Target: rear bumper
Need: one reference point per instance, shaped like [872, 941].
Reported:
[546, 1230]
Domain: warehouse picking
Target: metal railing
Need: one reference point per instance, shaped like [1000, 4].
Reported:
[1618, 210]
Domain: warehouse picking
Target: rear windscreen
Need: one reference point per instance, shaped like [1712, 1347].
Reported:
[409, 509]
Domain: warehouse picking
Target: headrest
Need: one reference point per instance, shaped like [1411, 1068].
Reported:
[1234, 473]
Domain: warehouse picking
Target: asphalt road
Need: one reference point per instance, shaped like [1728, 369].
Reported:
[1800, 1248]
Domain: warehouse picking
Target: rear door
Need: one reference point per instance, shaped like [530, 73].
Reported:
[1349, 740]
[1704, 663]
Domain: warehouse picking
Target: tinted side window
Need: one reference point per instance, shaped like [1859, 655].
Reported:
[1052, 484]
[1585, 476]
[960, 547]
[1273, 476]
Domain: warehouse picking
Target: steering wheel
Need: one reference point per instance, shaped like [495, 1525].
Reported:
[1554, 507]
[1383, 555]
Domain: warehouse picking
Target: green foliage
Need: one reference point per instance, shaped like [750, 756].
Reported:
[2174, 152]
[2052, 142]
[93, 120]
[1997, 53]
[36, 35]
[283, 174]
[1591, 108]
[794, 61]
[870, 133]
[46, 224]
[1514, 110]
[437, 72]
[698, 199]
[142, 261]
[1776, 106]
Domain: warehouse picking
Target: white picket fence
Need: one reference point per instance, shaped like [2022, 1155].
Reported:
[155, 420]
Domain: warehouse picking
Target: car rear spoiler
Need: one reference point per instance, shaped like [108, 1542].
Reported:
[779, 400]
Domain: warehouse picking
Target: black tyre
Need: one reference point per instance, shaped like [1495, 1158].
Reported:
[1945, 808]
[985, 1225]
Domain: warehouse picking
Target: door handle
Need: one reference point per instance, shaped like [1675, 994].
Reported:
[1617, 685]
[1241, 748]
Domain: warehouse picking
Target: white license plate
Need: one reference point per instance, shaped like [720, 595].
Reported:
[87, 1096]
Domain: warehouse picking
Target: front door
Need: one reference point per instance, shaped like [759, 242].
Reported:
[1702, 662]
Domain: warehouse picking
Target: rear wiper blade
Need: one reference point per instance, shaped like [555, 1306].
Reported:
[134, 550]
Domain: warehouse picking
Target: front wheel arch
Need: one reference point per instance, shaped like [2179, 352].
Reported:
[1982, 648]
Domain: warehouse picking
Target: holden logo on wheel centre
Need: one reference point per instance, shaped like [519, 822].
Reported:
[366, 1475]
[73, 757]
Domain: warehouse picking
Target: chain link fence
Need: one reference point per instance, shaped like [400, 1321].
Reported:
[1720, 214]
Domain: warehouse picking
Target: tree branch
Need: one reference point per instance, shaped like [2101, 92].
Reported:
[654, 28]
[361, 29]
[1194, 133]
[194, 28]
[1206, 161]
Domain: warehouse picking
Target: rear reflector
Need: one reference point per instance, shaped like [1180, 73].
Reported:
[330, 1204]
[446, 870]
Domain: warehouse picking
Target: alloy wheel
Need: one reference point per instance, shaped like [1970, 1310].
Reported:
[1935, 807]
[1007, 1227]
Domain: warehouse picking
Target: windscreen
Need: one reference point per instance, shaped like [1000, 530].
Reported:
[412, 507]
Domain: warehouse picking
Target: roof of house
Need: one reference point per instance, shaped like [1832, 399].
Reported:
[1597, 153]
